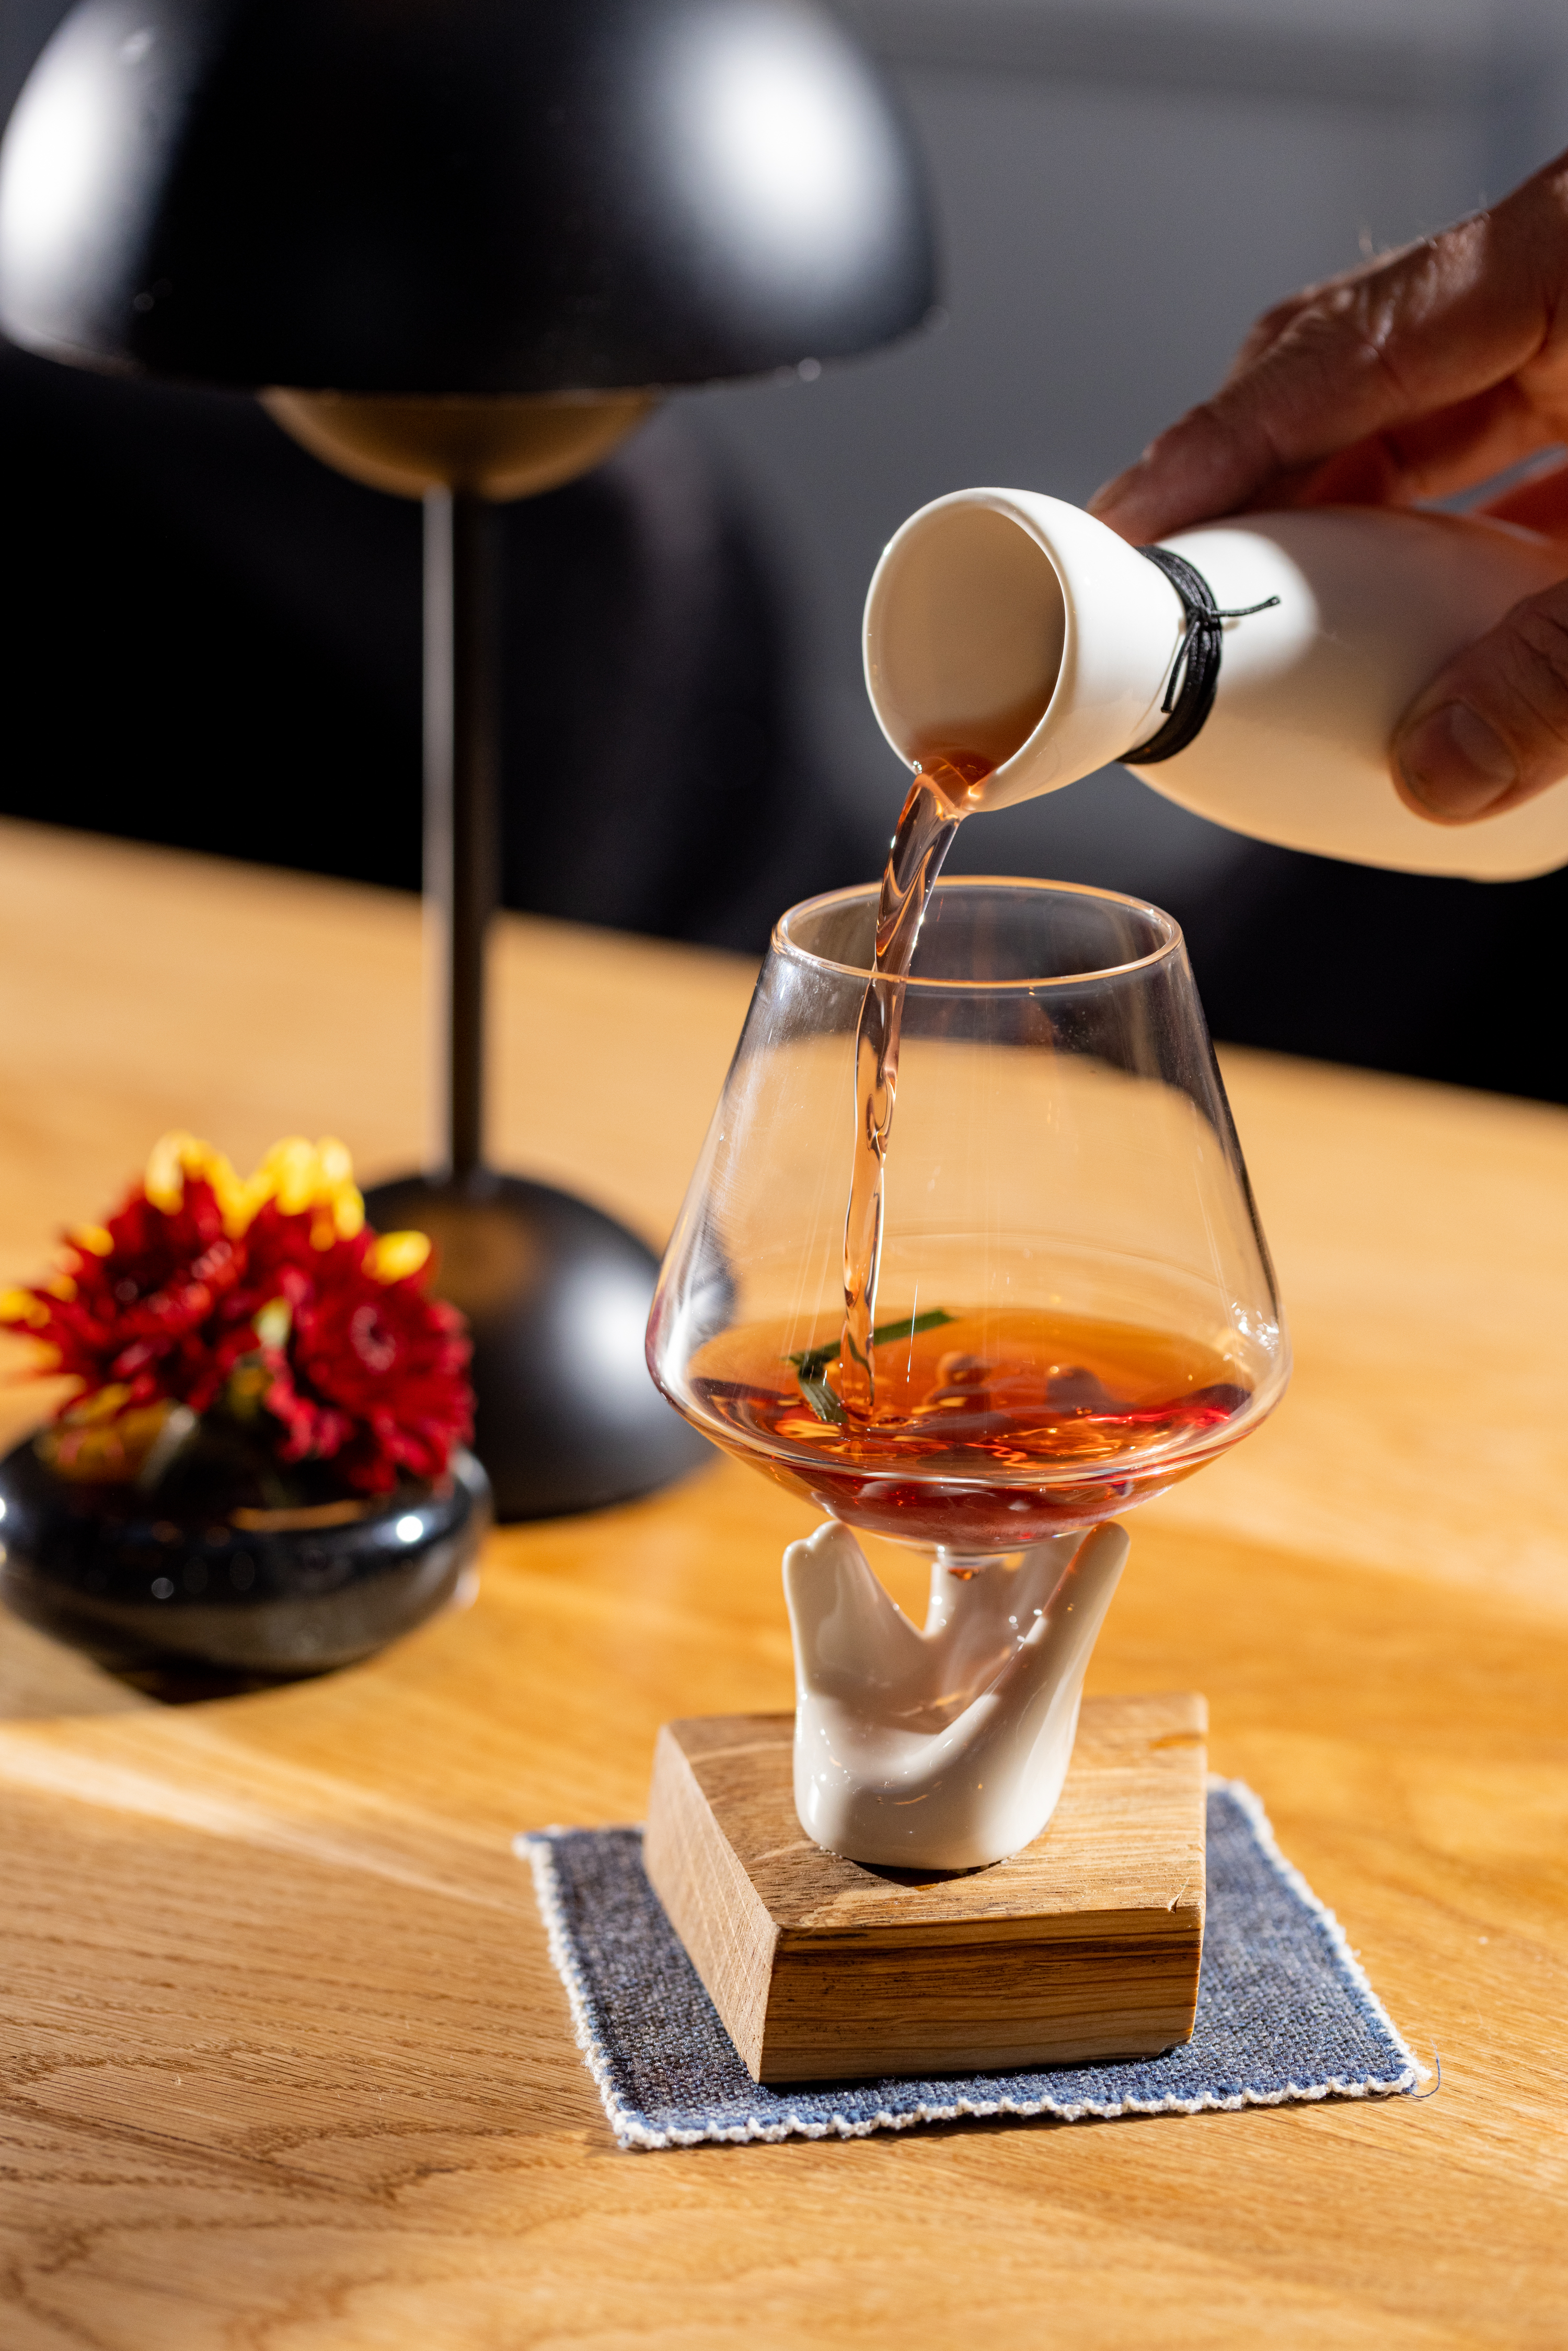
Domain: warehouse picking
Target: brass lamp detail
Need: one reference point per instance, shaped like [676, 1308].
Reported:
[495, 448]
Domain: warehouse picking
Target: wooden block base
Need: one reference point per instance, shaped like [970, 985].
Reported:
[1084, 1945]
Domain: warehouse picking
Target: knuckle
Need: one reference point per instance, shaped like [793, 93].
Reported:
[1539, 633]
[1279, 315]
[1348, 337]
[1525, 688]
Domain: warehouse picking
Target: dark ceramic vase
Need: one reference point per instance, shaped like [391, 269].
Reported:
[197, 1580]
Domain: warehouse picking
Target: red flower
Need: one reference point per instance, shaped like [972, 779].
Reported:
[144, 1313]
[206, 1292]
[375, 1372]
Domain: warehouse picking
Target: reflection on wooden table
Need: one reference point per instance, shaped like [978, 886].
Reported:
[290, 2069]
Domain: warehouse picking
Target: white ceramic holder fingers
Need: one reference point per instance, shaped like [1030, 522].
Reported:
[946, 1747]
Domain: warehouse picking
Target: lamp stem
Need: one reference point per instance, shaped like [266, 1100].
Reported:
[462, 808]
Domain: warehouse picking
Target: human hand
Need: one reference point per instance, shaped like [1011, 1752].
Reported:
[1416, 375]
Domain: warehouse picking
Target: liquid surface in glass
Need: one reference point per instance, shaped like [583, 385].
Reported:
[989, 1430]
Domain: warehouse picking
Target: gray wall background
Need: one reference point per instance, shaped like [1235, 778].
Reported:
[1120, 190]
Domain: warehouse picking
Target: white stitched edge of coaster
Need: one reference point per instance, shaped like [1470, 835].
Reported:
[1263, 1830]
[632, 2130]
[536, 1849]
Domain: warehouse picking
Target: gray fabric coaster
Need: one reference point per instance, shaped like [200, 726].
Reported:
[1284, 2011]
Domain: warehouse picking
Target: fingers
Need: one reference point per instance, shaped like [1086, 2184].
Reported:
[852, 1638]
[1267, 330]
[1206, 465]
[1491, 729]
[1427, 458]
[1366, 364]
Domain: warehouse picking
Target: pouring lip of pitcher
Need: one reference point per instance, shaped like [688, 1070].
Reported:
[1091, 658]
[1170, 942]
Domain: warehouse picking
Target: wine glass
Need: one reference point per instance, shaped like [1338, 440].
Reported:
[1075, 1306]
[1074, 1303]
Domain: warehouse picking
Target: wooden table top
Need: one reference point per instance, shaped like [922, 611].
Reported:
[287, 2067]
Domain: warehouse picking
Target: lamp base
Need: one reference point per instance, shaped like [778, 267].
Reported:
[557, 1296]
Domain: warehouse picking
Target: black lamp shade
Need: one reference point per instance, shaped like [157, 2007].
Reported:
[459, 196]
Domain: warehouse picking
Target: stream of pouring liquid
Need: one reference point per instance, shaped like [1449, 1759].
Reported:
[936, 806]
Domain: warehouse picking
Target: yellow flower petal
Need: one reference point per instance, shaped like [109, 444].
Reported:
[392, 1257]
[21, 1306]
[178, 1155]
[290, 1171]
[103, 1404]
[301, 1175]
[339, 1187]
[349, 1210]
[164, 1181]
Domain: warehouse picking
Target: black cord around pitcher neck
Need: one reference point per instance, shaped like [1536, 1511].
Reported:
[1195, 673]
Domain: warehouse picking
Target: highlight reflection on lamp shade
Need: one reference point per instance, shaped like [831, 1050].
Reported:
[459, 196]
[795, 154]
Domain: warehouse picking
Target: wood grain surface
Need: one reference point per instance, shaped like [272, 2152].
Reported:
[1084, 1945]
[286, 2067]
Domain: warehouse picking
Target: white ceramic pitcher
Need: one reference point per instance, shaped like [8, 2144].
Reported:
[1010, 624]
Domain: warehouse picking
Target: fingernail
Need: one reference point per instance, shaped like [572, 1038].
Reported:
[1454, 763]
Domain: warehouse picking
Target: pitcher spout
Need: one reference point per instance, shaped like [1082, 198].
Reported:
[1253, 669]
[1016, 629]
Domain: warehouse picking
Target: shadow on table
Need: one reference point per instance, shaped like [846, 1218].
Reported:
[42, 1680]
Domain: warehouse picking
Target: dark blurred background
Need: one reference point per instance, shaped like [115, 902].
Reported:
[208, 639]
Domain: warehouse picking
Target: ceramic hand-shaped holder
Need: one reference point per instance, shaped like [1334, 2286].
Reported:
[944, 1747]
[961, 1881]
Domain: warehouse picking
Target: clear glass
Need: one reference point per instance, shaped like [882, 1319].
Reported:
[1075, 1306]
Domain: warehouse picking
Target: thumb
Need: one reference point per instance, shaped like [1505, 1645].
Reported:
[1491, 729]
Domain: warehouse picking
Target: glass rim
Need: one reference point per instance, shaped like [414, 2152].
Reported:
[782, 943]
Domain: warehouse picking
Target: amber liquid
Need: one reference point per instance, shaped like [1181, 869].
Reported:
[931, 816]
[990, 1430]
